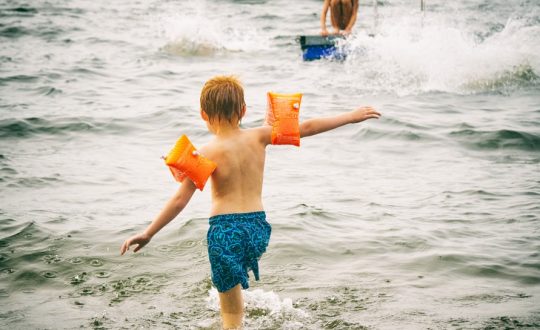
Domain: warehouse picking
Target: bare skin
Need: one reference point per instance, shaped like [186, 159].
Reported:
[237, 183]
[342, 16]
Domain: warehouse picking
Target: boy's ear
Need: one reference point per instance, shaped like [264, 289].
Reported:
[243, 111]
[204, 115]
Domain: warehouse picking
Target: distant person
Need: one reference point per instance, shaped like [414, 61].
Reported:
[239, 233]
[342, 15]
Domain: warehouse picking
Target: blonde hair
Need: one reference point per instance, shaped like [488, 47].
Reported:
[222, 98]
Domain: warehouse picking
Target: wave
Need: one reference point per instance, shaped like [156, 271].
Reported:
[47, 8]
[18, 12]
[46, 32]
[32, 126]
[211, 44]
[184, 46]
[399, 134]
[518, 77]
[196, 33]
[12, 232]
[5, 59]
[498, 139]
[503, 271]
[513, 322]
[17, 78]
[32, 182]
[13, 31]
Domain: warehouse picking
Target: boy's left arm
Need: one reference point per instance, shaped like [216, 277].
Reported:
[323, 124]
[264, 134]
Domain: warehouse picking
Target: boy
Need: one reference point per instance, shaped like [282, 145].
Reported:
[342, 15]
[238, 233]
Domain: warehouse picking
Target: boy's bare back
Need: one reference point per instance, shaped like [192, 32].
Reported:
[238, 179]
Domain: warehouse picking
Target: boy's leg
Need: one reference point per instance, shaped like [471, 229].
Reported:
[232, 308]
[341, 13]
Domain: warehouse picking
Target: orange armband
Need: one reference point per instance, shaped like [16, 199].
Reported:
[282, 114]
[184, 161]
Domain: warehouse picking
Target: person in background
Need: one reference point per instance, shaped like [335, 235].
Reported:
[342, 15]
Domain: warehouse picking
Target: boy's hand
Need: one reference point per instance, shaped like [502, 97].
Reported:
[363, 113]
[140, 239]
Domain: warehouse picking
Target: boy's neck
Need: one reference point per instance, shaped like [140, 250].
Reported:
[225, 128]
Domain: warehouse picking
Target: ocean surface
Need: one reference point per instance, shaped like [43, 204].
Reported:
[428, 218]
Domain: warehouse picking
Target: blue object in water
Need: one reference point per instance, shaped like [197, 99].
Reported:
[317, 47]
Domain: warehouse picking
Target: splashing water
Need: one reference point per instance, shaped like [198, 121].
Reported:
[265, 309]
[442, 55]
[195, 32]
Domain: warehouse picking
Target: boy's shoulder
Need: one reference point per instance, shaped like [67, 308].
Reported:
[262, 133]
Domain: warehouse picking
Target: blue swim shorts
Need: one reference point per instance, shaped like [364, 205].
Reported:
[236, 242]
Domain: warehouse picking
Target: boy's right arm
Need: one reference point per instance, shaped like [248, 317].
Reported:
[174, 206]
[323, 124]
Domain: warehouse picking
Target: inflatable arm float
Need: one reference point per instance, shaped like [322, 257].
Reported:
[184, 161]
[282, 114]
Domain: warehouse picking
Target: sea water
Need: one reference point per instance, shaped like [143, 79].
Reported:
[427, 218]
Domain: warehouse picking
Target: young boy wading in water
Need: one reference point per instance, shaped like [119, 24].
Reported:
[238, 233]
[342, 16]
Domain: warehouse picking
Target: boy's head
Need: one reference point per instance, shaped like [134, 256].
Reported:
[222, 99]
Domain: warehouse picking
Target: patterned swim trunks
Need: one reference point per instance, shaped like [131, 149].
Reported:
[236, 242]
